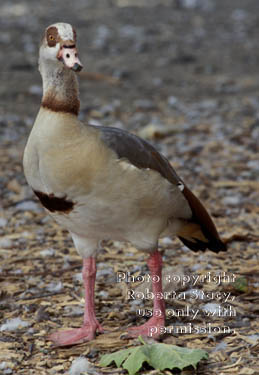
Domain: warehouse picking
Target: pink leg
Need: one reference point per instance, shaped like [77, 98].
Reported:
[87, 331]
[151, 327]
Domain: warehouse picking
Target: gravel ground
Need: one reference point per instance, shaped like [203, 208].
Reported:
[184, 74]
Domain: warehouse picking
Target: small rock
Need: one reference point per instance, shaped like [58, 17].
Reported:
[144, 104]
[247, 371]
[221, 346]
[81, 366]
[103, 294]
[5, 38]
[94, 122]
[231, 201]
[198, 4]
[28, 206]
[130, 31]
[6, 243]
[211, 307]
[196, 267]
[3, 365]
[157, 82]
[104, 272]
[208, 104]
[14, 324]
[14, 186]
[47, 252]
[136, 303]
[55, 287]
[239, 15]
[102, 37]
[139, 119]
[172, 101]
[107, 109]
[254, 338]
[251, 164]
[166, 241]
[78, 277]
[14, 10]
[74, 310]
[3, 222]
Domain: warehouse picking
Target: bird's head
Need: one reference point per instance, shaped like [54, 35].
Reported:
[59, 46]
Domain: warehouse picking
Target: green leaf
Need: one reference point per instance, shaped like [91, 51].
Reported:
[157, 355]
[117, 357]
[170, 356]
[241, 284]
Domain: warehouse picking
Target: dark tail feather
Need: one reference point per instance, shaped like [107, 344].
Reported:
[200, 232]
[196, 245]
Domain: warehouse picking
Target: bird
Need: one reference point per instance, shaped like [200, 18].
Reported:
[101, 182]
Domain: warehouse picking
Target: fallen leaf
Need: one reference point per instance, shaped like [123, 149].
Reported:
[157, 355]
[241, 284]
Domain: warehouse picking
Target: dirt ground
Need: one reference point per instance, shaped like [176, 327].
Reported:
[184, 74]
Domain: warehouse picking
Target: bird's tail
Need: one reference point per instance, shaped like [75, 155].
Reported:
[199, 233]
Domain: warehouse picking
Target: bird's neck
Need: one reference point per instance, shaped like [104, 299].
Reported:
[60, 89]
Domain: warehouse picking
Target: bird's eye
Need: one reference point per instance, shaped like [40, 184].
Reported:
[52, 36]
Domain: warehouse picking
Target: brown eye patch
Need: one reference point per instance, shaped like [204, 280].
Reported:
[52, 36]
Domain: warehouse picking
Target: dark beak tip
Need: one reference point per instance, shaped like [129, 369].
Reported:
[77, 67]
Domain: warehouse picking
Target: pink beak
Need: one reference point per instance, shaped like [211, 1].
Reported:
[68, 55]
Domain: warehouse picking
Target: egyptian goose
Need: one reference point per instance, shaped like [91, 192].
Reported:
[102, 182]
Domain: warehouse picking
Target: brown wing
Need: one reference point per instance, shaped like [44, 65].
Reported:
[199, 233]
[139, 152]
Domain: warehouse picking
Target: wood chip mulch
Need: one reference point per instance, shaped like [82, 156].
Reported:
[41, 284]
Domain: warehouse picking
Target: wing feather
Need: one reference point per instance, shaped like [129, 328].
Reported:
[199, 232]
